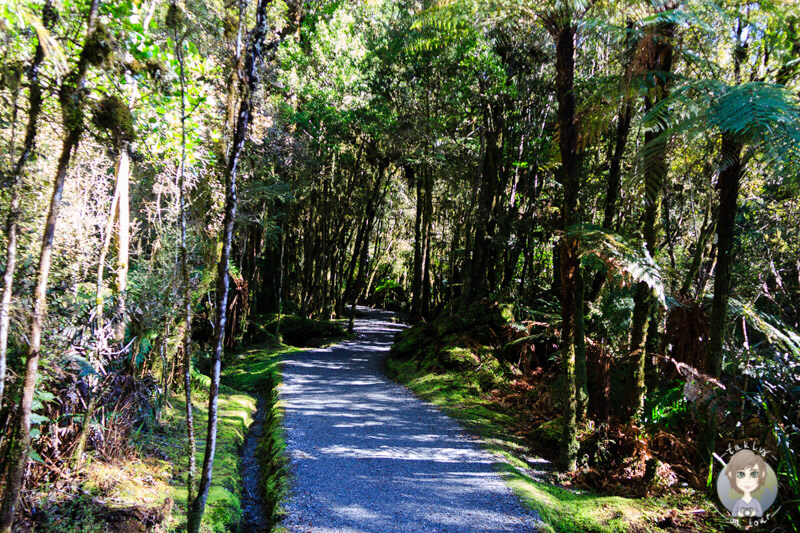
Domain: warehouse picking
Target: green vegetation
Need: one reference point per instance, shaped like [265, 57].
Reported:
[480, 385]
[254, 373]
[150, 490]
[590, 210]
[257, 372]
[236, 410]
[461, 396]
[565, 511]
[293, 330]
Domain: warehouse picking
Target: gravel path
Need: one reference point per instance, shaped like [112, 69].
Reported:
[367, 456]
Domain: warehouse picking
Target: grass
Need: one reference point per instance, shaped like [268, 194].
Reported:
[254, 373]
[459, 395]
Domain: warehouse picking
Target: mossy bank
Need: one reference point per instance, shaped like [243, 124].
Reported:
[475, 365]
[248, 384]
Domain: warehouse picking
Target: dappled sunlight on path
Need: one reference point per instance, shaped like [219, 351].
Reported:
[366, 456]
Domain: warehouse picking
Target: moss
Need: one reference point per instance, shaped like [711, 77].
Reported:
[223, 509]
[236, 410]
[130, 495]
[293, 330]
[155, 68]
[99, 46]
[258, 371]
[489, 313]
[459, 395]
[271, 454]
[506, 311]
[112, 115]
[176, 17]
[456, 358]
[229, 27]
[566, 511]
[549, 433]
[11, 76]
[256, 368]
[409, 341]
[71, 105]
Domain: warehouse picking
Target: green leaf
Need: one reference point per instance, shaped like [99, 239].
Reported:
[37, 419]
[631, 261]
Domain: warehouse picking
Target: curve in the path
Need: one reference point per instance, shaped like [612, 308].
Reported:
[367, 456]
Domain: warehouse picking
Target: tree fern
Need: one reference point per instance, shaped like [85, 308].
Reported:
[762, 116]
[631, 261]
[775, 331]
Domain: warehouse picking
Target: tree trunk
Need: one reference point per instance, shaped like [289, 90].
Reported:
[485, 222]
[416, 283]
[427, 222]
[655, 175]
[77, 455]
[123, 235]
[572, 345]
[14, 212]
[702, 240]
[369, 220]
[186, 337]
[249, 80]
[71, 96]
[101, 262]
[728, 185]
[614, 178]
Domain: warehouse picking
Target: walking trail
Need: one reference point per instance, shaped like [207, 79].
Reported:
[367, 456]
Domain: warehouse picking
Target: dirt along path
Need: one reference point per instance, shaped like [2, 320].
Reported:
[367, 456]
[254, 518]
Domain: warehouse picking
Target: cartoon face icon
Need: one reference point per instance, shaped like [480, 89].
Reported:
[747, 472]
[747, 486]
[749, 479]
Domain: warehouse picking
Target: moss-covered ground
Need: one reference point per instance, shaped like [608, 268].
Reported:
[459, 394]
[254, 373]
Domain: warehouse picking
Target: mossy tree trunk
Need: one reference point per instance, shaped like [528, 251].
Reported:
[563, 30]
[186, 334]
[71, 96]
[655, 177]
[249, 79]
[14, 211]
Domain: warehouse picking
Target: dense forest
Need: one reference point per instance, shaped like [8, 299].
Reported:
[600, 197]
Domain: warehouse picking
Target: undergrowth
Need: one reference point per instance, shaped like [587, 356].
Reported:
[464, 396]
[146, 490]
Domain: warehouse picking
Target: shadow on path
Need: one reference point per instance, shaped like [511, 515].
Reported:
[367, 456]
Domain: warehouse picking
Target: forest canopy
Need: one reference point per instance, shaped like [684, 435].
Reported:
[618, 181]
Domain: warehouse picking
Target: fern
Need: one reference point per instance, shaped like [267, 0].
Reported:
[776, 332]
[631, 261]
[762, 116]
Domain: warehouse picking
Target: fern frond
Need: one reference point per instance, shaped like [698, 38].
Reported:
[763, 116]
[669, 14]
[631, 261]
[774, 330]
